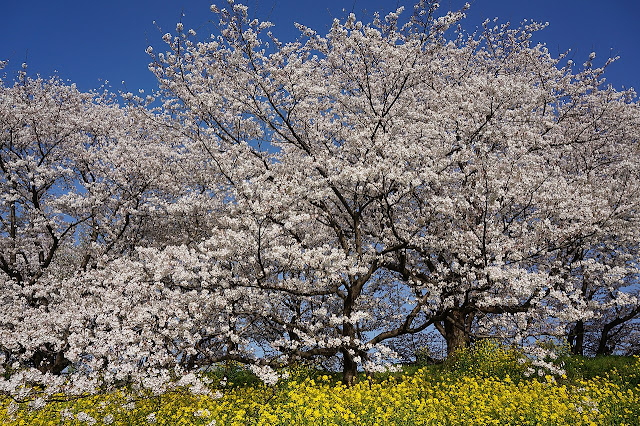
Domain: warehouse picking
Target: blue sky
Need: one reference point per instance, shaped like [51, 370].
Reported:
[88, 41]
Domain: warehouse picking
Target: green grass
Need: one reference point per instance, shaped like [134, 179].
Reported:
[582, 367]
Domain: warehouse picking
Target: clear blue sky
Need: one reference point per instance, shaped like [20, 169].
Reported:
[87, 41]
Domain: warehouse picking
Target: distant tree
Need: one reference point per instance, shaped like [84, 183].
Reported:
[76, 174]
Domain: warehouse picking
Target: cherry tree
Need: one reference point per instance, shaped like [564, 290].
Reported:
[606, 278]
[383, 178]
[78, 175]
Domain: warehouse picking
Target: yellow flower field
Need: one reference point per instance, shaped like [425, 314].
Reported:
[425, 396]
[408, 400]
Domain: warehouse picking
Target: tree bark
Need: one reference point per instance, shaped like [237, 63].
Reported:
[576, 338]
[456, 330]
[349, 368]
[603, 343]
[603, 347]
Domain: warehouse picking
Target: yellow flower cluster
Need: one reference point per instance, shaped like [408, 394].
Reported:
[420, 398]
[488, 358]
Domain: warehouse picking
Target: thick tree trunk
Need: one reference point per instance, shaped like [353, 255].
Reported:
[456, 331]
[349, 368]
[576, 338]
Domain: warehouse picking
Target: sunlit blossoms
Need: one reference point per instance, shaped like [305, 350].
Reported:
[318, 199]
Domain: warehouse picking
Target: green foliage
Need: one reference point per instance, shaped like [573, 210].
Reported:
[423, 357]
[561, 349]
[301, 370]
[231, 374]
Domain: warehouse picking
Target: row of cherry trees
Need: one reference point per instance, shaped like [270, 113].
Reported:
[320, 199]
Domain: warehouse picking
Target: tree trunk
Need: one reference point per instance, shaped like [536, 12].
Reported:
[576, 338]
[457, 328]
[603, 344]
[349, 368]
